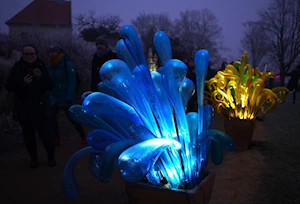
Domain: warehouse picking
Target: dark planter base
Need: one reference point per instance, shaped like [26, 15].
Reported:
[241, 131]
[140, 193]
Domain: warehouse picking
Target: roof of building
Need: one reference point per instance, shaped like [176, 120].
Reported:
[44, 12]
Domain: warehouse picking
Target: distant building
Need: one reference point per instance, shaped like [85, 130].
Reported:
[47, 17]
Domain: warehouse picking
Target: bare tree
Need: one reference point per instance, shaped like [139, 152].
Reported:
[90, 26]
[148, 24]
[281, 21]
[83, 20]
[255, 42]
[199, 29]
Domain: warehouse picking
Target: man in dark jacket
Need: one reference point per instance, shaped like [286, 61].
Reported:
[29, 80]
[103, 54]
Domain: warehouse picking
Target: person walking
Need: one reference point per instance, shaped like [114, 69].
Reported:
[293, 82]
[63, 95]
[30, 81]
[103, 54]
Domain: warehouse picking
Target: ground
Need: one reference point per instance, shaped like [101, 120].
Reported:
[266, 173]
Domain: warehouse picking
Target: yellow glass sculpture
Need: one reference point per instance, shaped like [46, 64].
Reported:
[152, 60]
[239, 91]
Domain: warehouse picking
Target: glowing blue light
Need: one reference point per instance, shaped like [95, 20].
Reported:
[140, 119]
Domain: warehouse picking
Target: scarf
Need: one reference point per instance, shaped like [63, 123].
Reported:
[56, 59]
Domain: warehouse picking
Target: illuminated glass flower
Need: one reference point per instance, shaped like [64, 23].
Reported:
[239, 91]
[140, 120]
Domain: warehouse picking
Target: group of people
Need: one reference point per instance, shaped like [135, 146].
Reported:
[42, 89]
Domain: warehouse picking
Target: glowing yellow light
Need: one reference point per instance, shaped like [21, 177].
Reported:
[152, 60]
[239, 91]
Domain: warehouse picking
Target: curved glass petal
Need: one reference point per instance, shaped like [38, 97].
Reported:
[95, 164]
[169, 130]
[162, 46]
[78, 114]
[111, 154]
[160, 69]
[208, 112]
[216, 153]
[192, 119]
[124, 54]
[140, 132]
[100, 139]
[133, 44]
[120, 125]
[117, 76]
[70, 186]
[173, 75]
[187, 91]
[153, 177]
[219, 137]
[102, 105]
[136, 161]
[102, 87]
[85, 94]
[201, 60]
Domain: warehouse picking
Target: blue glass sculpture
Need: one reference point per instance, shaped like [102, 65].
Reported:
[140, 120]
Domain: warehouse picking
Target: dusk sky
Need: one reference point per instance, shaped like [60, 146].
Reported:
[231, 13]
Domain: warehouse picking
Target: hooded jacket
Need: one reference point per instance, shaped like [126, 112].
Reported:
[64, 83]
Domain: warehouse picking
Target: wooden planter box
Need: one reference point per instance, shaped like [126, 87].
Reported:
[241, 131]
[141, 193]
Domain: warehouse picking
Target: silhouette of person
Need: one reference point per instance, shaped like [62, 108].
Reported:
[103, 54]
[293, 82]
[29, 80]
[223, 66]
[63, 95]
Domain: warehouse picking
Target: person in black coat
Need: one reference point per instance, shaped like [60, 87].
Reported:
[293, 82]
[103, 54]
[29, 80]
